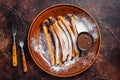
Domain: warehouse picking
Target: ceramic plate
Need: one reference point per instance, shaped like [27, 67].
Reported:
[37, 44]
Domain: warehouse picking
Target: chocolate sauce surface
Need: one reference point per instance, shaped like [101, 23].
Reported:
[84, 41]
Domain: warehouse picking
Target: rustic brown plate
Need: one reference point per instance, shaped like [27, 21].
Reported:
[35, 29]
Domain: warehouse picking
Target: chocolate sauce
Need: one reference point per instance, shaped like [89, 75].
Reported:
[84, 41]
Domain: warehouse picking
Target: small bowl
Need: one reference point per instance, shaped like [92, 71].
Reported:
[85, 41]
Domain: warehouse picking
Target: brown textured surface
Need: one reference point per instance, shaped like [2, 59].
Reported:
[107, 65]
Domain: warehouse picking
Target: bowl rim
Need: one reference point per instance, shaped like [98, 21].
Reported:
[72, 5]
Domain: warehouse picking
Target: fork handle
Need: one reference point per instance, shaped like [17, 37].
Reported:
[25, 69]
[14, 59]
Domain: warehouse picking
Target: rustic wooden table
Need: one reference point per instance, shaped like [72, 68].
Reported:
[107, 65]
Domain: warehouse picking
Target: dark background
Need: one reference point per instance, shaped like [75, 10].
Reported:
[107, 65]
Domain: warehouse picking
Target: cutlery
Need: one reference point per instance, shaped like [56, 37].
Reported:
[14, 51]
[21, 44]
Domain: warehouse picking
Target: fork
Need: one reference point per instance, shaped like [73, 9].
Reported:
[21, 44]
[14, 52]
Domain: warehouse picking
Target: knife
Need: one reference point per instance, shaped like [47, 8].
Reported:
[14, 51]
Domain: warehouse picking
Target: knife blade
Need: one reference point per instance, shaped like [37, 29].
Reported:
[14, 50]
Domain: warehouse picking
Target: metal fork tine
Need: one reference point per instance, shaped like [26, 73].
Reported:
[21, 43]
[13, 28]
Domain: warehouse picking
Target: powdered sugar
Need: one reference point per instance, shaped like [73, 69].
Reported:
[40, 47]
[82, 24]
[85, 25]
[66, 65]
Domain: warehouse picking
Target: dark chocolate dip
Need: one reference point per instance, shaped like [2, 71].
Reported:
[84, 41]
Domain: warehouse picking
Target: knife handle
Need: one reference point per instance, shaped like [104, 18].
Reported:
[14, 52]
[25, 69]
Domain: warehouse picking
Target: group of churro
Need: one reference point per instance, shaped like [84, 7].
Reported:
[64, 36]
